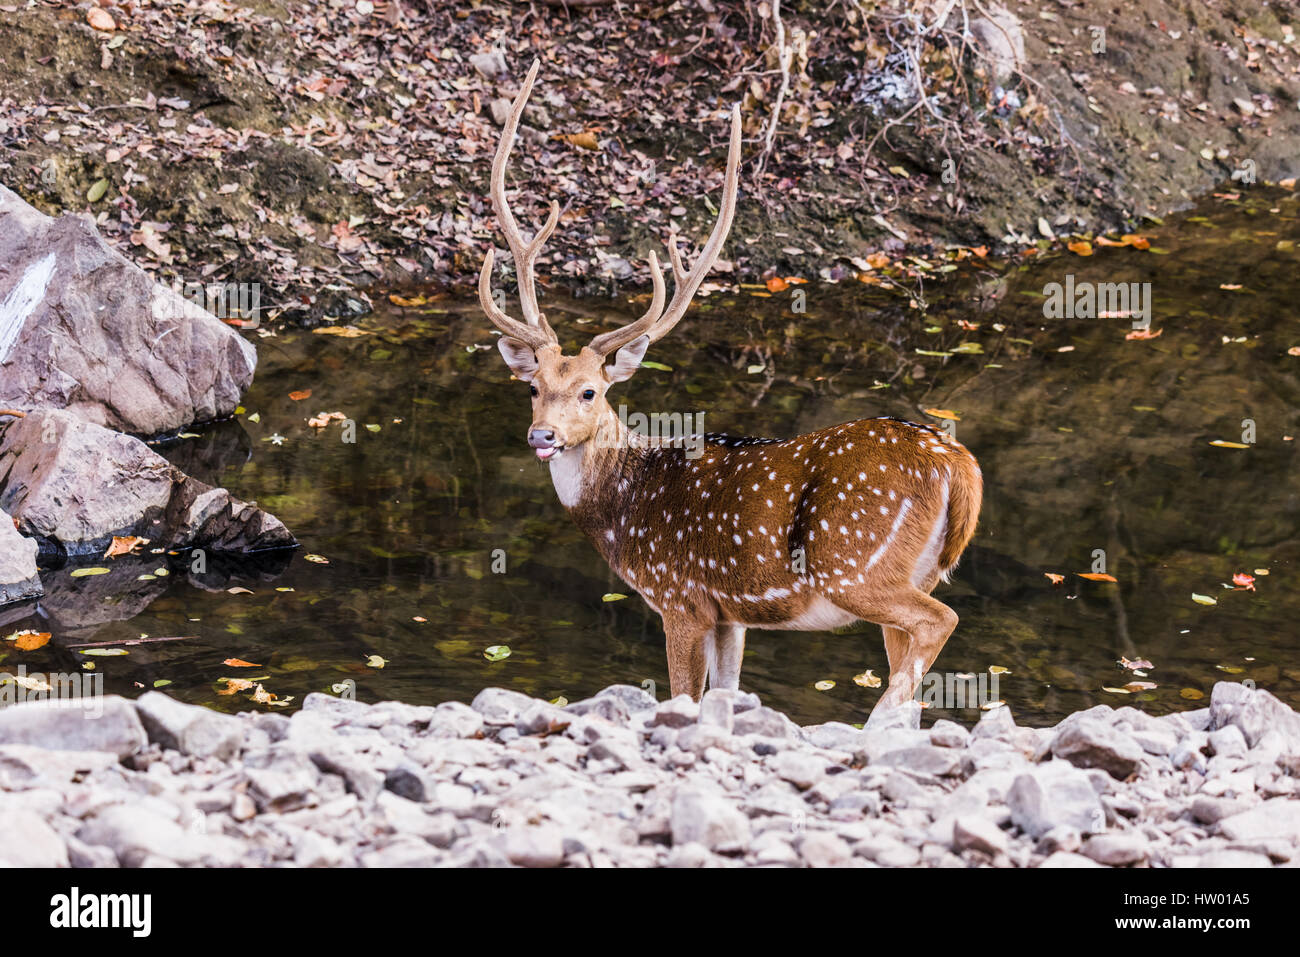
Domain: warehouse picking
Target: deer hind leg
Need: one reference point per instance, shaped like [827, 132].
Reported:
[916, 628]
[688, 641]
[725, 648]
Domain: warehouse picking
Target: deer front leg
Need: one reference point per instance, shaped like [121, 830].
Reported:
[686, 638]
[725, 649]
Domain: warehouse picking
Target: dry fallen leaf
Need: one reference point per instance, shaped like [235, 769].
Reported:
[1144, 334]
[1242, 580]
[233, 685]
[125, 545]
[943, 414]
[300, 394]
[101, 19]
[1097, 577]
[777, 284]
[1135, 665]
[30, 640]
[1080, 247]
[1053, 578]
[239, 663]
[867, 679]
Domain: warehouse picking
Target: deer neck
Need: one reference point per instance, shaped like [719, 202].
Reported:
[586, 477]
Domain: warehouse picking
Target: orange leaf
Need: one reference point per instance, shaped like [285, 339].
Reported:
[1081, 247]
[239, 663]
[777, 284]
[943, 414]
[1054, 579]
[1136, 241]
[878, 260]
[128, 545]
[234, 684]
[1096, 577]
[1241, 580]
[31, 640]
[300, 395]
[1143, 334]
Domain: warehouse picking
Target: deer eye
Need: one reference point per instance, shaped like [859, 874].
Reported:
[589, 395]
[533, 390]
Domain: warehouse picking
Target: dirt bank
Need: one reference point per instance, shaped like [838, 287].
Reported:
[321, 147]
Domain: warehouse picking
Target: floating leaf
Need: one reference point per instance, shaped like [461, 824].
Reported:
[612, 596]
[1221, 443]
[105, 652]
[560, 701]
[1203, 599]
[755, 369]
[374, 661]
[300, 394]
[998, 670]
[867, 679]
[1231, 669]
[239, 663]
[824, 685]
[1080, 247]
[1116, 690]
[496, 652]
[239, 590]
[1136, 686]
[372, 427]
[233, 685]
[777, 284]
[1053, 578]
[1135, 665]
[30, 640]
[1097, 577]
[943, 414]
[992, 705]
[87, 572]
[162, 682]
[1191, 694]
[1242, 580]
[318, 559]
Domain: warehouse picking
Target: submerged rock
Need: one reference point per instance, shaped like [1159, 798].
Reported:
[75, 485]
[85, 329]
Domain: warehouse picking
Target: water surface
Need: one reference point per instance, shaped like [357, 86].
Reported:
[1088, 442]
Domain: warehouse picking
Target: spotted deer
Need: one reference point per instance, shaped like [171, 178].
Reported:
[854, 522]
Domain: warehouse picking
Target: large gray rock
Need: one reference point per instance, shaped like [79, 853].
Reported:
[96, 724]
[1052, 795]
[1253, 712]
[76, 485]
[1092, 743]
[18, 577]
[188, 728]
[83, 328]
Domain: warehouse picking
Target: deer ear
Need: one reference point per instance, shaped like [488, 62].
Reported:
[627, 360]
[519, 357]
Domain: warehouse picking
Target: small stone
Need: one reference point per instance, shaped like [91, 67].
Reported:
[709, 819]
[801, 770]
[1118, 849]
[189, 729]
[676, 712]
[1054, 794]
[540, 846]
[824, 849]
[974, 833]
[948, 734]
[27, 841]
[717, 709]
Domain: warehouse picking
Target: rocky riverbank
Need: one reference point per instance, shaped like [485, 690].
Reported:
[620, 779]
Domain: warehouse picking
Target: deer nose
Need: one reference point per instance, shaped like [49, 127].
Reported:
[542, 438]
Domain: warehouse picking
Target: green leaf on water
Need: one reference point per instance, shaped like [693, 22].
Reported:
[969, 348]
[1203, 599]
[105, 652]
[496, 652]
[86, 572]
[612, 596]
[372, 427]
[755, 369]
[162, 682]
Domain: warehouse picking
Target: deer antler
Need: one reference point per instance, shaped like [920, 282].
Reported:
[534, 331]
[685, 284]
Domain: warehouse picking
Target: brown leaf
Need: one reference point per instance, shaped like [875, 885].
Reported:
[125, 545]
[1096, 577]
[300, 394]
[239, 663]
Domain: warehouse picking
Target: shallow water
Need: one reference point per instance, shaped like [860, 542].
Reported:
[1087, 441]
